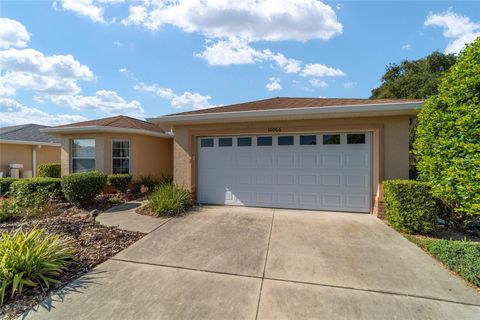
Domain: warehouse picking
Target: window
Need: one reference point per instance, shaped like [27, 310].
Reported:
[331, 139]
[285, 141]
[264, 141]
[206, 143]
[83, 155]
[356, 138]
[244, 142]
[225, 142]
[308, 140]
[120, 156]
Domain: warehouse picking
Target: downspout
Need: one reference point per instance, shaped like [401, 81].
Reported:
[34, 161]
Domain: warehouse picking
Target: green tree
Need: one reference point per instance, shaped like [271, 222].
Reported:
[448, 136]
[416, 79]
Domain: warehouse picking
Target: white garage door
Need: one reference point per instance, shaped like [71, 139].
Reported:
[321, 171]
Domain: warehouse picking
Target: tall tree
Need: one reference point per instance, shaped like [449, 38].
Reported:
[414, 79]
[447, 145]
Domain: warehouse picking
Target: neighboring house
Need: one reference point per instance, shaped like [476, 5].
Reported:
[323, 154]
[28, 146]
[115, 145]
[302, 153]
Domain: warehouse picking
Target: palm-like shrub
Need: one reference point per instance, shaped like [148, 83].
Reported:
[33, 259]
[170, 200]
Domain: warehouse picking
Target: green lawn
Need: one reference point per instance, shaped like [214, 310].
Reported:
[460, 256]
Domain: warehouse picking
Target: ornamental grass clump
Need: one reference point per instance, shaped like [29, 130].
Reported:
[170, 200]
[32, 259]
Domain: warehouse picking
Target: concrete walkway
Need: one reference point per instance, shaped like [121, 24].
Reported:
[251, 263]
[125, 217]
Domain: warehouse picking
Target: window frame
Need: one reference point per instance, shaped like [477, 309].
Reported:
[122, 158]
[72, 158]
[339, 135]
[265, 145]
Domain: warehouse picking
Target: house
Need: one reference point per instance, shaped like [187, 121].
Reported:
[302, 153]
[28, 146]
[307, 153]
[118, 144]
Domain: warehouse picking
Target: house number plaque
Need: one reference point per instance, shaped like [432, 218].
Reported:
[274, 129]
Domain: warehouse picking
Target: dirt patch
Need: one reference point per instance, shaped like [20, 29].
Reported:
[94, 244]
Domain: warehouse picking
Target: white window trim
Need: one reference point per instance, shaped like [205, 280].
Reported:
[129, 151]
[80, 158]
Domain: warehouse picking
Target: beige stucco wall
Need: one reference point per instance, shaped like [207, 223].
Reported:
[148, 155]
[21, 153]
[390, 151]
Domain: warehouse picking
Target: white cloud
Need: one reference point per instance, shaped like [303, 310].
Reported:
[122, 70]
[30, 69]
[14, 113]
[188, 100]
[250, 20]
[456, 27]
[274, 84]
[13, 34]
[87, 8]
[105, 101]
[320, 70]
[349, 84]
[407, 46]
[228, 52]
[318, 83]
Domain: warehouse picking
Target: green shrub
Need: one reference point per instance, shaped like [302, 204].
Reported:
[26, 205]
[460, 256]
[49, 170]
[119, 181]
[24, 187]
[8, 210]
[152, 182]
[170, 200]
[33, 259]
[82, 188]
[5, 184]
[409, 206]
[447, 146]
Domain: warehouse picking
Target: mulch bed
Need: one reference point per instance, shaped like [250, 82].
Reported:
[94, 244]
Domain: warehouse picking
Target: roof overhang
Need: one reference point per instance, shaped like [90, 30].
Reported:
[102, 129]
[30, 143]
[348, 111]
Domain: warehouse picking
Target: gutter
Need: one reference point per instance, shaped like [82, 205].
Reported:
[322, 112]
[30, 143]
[89, 129]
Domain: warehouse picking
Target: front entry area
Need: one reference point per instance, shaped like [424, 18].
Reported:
[319, 171]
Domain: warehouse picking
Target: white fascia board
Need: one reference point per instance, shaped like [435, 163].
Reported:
[31, 143]
[90, 129]
[292, 113]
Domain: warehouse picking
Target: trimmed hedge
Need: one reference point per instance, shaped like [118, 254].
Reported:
[119, 181]
[82, 188]
[5, 184]
[410, 206]
[50, 170]
[170, 200]
[32, 185]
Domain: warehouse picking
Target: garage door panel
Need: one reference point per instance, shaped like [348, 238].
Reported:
[322, 177]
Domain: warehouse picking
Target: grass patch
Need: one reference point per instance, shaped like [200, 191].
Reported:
[169, 200]
[460, 256]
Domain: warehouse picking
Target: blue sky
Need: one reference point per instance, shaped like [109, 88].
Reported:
[72, 60]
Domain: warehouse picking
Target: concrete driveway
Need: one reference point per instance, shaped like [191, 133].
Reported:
[251, 263]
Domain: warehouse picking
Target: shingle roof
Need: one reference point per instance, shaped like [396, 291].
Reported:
[116, 122]
[27, 132]
[292, 103]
